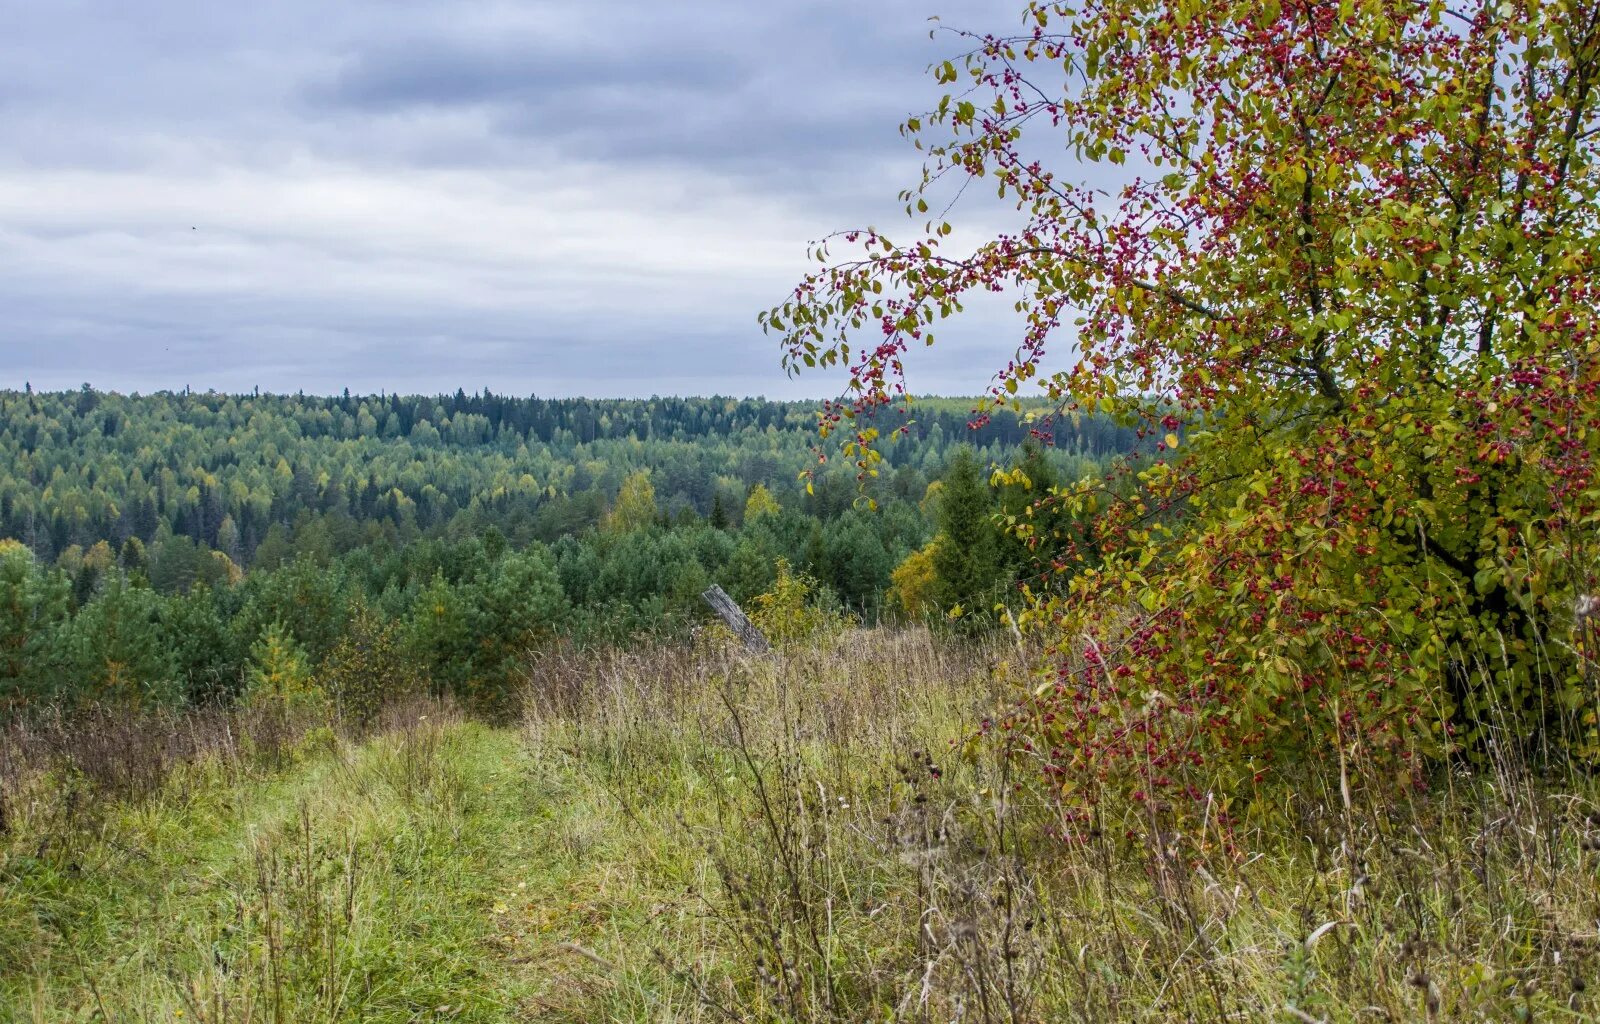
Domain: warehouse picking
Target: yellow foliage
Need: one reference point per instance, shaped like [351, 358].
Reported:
[789, 612]
[760, 504]
[636, 503]
[231, 572]
[914, 580]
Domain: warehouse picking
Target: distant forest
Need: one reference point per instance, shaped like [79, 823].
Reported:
[222, 470]
[234, 519]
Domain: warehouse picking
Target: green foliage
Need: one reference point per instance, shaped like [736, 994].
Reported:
[855, 561]
[1033, 522]
[33, 604]
[965, 562]
[207, 656]
[474, 639]
[1347, 299]
[179, 563]
[511, 610]
[236, 513]
[308, 601]
[371, 665]
[133, 556]
[440, 633]
[115, 651]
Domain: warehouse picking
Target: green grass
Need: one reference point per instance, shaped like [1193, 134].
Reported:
[358, 884]
[672, 837]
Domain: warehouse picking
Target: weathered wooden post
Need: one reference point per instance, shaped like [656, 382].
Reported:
[729, 612]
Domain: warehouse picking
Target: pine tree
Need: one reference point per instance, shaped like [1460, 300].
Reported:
[440, 635]
[115, 650]
[1024, 498]
[280, 674]
[33, 603]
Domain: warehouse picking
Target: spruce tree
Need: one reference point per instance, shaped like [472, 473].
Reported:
[966, 562]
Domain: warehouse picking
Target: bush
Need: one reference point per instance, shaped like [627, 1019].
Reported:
[474, 639]
[369, 667]
[798, 610]
[1351, 311]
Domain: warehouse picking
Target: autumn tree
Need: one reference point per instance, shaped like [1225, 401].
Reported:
[1335, 260]
[914, 583]
[760, 504]
[635, 505]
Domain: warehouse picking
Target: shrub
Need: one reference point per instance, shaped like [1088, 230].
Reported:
[797, 609]
[1347, 298]
[369, 667]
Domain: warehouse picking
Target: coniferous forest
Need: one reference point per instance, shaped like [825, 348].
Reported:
[159, 549]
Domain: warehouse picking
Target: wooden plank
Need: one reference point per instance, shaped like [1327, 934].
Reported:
[730, 612]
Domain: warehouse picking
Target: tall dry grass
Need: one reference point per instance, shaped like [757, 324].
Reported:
[853, 856]
[816, 835]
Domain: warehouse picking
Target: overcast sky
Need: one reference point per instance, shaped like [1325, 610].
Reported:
[554, 197]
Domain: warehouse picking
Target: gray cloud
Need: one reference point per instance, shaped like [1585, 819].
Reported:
[432, 193]
[455, 72]
[749, 90]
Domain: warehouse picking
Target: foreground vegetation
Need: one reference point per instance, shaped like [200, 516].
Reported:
[673, 835]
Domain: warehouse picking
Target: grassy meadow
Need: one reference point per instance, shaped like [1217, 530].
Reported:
[679, 835]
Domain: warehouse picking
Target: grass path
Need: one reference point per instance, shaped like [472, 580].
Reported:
[439, 874]
[595, 907]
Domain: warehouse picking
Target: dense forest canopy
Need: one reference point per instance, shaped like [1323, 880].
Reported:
[224, 470]
[166, 547]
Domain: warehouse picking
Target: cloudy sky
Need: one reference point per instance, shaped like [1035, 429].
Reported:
[548, 196]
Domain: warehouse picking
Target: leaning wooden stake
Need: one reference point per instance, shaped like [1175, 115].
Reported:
[737, 620]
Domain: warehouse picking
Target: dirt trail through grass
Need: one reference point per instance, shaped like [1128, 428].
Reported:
[436, 874]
